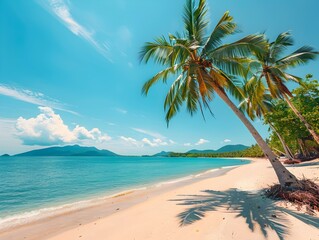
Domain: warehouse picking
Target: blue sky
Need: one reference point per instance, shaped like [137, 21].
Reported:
[69, 73]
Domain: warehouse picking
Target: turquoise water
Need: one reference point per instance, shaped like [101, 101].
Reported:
[32, 183]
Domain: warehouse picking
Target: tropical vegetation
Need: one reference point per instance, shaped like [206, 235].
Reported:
[273, 69]
[252, 151]
[292, 130]
[203, 66]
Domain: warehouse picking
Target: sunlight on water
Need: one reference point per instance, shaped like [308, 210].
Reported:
[31, 183]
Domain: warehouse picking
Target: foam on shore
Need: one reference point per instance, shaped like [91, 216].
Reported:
[24, 218]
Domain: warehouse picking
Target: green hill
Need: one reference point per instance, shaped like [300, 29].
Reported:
[74, 150]
[227, 148]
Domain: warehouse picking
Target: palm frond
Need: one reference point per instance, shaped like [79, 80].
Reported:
[200, 21]
[301, 56]
[206, 90]
[162, 75]
[192, 96]
[224, 27]
[279, 78]
[257, 101]
[274, 91]
[160, 50]
[189, 19]
[231, 84]
[280, 44]
[233, 66]
[294, 78]
[181, 49]
[244, 47]
[174, 98]
[254, 67]
[195, 20]
[167, 52]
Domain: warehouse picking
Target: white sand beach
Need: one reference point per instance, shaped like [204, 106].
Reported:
[227, 204]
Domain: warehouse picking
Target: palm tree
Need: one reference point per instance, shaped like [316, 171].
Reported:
[273, 70]
[257, 103]
[202, 67]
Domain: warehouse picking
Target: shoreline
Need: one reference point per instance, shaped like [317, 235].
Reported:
[23, 221]
[234, 209]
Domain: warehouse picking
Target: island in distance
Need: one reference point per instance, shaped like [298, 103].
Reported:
[224, 149]
[74, 150]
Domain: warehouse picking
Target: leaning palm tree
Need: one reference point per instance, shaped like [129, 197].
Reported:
[274, 67]
[257, 103]
[202, 67]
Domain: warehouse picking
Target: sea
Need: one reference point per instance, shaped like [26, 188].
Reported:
[31, 186]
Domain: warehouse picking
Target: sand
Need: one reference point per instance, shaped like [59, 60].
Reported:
[220, 205]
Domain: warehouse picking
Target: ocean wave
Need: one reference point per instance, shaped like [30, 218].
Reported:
[44, 213]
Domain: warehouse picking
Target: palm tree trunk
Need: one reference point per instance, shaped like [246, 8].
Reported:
[277, 150]
[302, 119]
[302, 150]
[290, 152]
[284, 145]
[286, 179]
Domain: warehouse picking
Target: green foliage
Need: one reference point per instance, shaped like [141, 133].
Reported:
[274, 66]
[306, 100]
[253, 151]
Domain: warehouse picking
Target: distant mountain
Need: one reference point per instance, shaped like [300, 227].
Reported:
[232, 148]
[162, 154]
[201, 151]
[74, 150]
[5, 155]
[227, 148]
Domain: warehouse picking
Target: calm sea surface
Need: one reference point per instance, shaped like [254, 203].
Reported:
[32, 183]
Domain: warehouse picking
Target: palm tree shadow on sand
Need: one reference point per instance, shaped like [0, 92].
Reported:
[254, 207]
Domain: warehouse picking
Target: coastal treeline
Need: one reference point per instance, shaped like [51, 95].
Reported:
[288, 133]
[253, 151]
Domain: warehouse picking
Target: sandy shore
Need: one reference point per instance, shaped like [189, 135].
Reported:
[224, 204]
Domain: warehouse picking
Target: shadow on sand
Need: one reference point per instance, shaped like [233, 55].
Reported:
[306, 164]
[254, 207]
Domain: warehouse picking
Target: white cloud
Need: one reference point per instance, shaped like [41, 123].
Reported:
[48, 128]
[156, 142]
[104, 138]
[95, 134]
[187, 144]
[131, 141]
[62, 11]
[32, 97]
[9, 143]
[227, 140]
[201, 141]
[148, 142]
[150, 133]
[160, 142]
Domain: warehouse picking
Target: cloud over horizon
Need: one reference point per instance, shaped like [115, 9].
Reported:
[48, 128]
[156, 142]
[201, 141]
